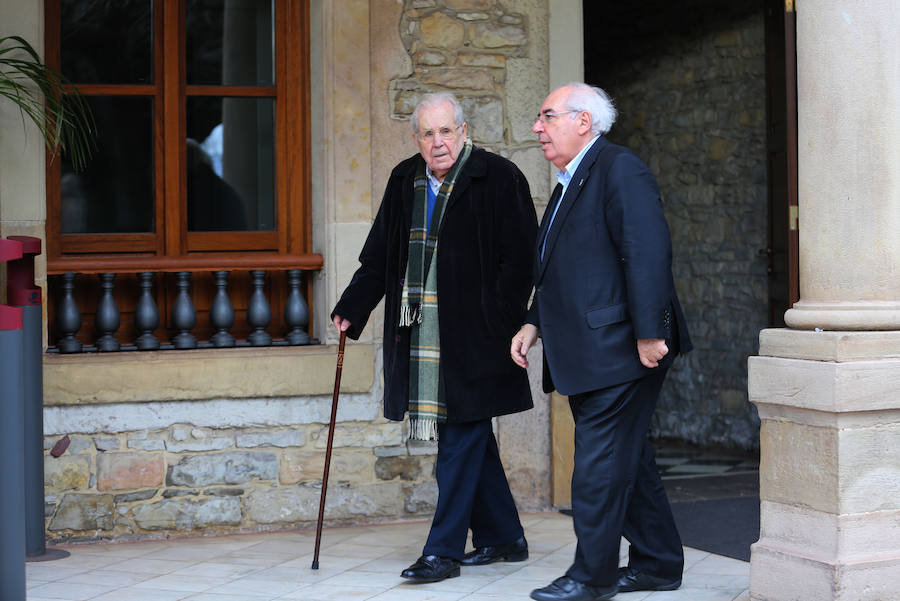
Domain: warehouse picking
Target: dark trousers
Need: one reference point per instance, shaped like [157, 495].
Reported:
[472, 492]
[616, 489]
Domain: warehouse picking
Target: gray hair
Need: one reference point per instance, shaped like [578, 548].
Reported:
[595, 101]
[434, 99]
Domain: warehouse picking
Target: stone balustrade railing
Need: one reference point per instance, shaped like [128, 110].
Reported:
[66, 275]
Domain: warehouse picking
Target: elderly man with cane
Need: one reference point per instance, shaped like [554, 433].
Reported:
[450, 252]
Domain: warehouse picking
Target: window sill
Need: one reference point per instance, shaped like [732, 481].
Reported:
[86, 379]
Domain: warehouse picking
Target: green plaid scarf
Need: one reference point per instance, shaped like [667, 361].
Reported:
[419, 304]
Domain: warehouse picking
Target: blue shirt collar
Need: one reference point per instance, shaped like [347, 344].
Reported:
[564, 176]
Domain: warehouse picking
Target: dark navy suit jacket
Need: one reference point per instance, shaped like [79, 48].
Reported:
[605, 279]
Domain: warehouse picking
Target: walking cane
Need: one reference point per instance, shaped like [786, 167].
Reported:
[334, 404]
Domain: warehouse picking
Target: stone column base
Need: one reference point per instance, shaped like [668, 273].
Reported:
[829, 403]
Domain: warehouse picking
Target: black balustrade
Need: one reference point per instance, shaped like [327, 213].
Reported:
[182, 315]
[258, 313]
[221, 314]
[107, 319]
[296, 313]
[68, 317]
[146, 314]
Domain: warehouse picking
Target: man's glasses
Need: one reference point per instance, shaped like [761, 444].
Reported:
[548, 116]
[447, 134]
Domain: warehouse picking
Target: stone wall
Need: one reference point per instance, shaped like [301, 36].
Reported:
[689, 82]
[186, 478]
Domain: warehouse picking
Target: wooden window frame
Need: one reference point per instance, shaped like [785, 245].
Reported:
[293, 233]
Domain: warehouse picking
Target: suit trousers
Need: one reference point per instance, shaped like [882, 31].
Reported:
[472, 492]
[616, 488]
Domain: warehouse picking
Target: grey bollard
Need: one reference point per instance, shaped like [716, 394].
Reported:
[22, 292]
[12, 445]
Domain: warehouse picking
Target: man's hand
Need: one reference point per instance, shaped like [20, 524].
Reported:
[340, 323]
[651, 350]
[521, 342]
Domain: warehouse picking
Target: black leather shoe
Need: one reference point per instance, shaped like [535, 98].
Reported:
[514, 551]
[631, 579]
[566, 589]
[431, 568]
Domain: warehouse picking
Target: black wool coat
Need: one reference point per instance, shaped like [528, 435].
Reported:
[484, 259]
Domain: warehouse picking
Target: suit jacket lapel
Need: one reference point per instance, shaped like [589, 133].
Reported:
[568, 201]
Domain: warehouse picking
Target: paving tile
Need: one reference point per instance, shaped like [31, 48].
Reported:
[688, 594]
[217, 569]
[151, 566]
[251, 588]
[221, 597]
[416, 595]
[70, 591]
[107, 578]
[135, 594]
[332, 592]
[173, 582]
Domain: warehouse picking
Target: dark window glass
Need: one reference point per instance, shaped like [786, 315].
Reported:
[114, 194]
[230, 42]
[230, 164]
[107, 42]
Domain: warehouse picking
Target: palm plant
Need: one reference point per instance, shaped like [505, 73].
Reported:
[46, 98]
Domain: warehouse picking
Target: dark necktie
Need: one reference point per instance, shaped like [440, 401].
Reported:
[551, 207]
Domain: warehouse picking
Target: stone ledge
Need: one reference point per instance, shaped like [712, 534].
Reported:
[776, 573]
[856, 537]
[829, 346]
[825, 386]
[86, 379]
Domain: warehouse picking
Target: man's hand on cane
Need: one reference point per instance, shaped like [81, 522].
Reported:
[340, 323]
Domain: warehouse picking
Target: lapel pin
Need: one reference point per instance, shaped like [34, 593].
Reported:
[581, 183]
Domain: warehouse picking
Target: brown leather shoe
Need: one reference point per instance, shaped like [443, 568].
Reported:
[431, 568]
[514, 551]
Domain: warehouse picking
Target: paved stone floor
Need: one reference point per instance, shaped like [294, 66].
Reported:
[356, 563]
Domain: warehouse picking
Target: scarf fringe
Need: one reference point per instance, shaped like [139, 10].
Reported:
[410, 314]
[421, 428]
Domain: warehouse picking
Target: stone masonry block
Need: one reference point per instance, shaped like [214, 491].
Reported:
[147, 445]
[205, 444]
[66, 473]
[290, 438]
[300, 504]
[346, 465]
[485, 117]
[361, 435]
[421, 498]
[84, 512]
[122, 471]
[494, 35]
[223, 468]
[188, 514]
[405, 468]
[442, 31]
[78, 444]
[107, 444]
[468, 4]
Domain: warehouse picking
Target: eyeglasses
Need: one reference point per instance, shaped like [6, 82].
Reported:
[548, 116]
[447, 134]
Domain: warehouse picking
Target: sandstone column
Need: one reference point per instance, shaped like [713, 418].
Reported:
[828, 388]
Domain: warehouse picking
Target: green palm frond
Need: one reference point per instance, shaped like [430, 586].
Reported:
[47, 99]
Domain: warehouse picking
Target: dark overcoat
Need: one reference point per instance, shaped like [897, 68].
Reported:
[484, 259]
[605, 279]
